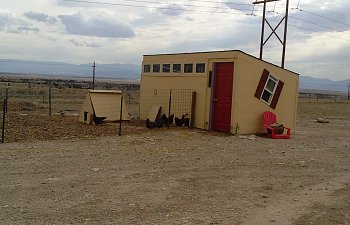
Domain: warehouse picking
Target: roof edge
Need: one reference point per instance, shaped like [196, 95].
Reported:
[218, 51]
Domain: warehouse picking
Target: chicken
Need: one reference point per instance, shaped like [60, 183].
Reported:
[180, 122]
[160, 122]
[150, 125]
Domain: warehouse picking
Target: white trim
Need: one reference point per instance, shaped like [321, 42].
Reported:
[273, 78]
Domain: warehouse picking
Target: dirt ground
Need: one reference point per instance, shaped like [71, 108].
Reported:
[180, 176]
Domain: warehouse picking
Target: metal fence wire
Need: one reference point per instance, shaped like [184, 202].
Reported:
[43, 99]
[29, 105]
[324, 96]
[177, 102]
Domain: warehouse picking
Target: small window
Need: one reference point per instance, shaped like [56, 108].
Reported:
[200, 67]
[156, 68]
[269, 89]
[266, 96]
[188, 68]
[176, 68]
[271, 84]
[166, 68]
[147, 68]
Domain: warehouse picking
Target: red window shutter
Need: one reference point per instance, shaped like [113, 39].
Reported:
[277, 94]
[261, 84]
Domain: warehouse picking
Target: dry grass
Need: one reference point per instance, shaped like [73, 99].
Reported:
[62, 99]
[325, 109]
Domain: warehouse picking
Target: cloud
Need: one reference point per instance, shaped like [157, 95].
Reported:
[310, 16]
[171, 9]
[96, 26]
[240, 6]
[28, 29]
[85, 44]
[6, 19]
[72, 4]
[9, 23]
[331, 18]
[41, 17]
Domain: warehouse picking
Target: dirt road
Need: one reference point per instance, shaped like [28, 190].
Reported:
[180, 176]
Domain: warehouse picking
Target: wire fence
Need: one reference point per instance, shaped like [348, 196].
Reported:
[40, 111]
[176, 103]
[324, 96]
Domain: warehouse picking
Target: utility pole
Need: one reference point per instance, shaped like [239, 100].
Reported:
[93, 75]
[273, 29]
[349, 91]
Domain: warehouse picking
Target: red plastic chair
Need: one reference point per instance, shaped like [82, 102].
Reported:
[270, 119]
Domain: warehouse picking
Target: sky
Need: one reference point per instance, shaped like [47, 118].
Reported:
[122, 31]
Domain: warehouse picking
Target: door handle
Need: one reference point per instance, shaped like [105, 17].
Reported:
[215, 99]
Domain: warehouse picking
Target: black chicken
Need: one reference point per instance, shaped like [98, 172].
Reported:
[180, 122]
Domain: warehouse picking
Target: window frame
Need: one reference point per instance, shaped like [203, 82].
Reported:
[178, 71]
[188, 64]
[272, 93]
[169, 66]
[149, 68]
[197, 67]
[153, 68]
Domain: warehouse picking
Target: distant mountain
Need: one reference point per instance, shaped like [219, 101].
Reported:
[130, 71]
[312, 83]
[116, 71]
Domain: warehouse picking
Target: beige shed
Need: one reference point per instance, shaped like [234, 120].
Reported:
[224, 91]
[103, 105]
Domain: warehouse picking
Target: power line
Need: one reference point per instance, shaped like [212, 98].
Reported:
[315, 14]
[318, 15]
[313, 23]
[299, 27]
[221, 2]
[178, 9]
[311, 30]
[210, 7]
[324, 17]
[314, 31]
[158, 7]
[194, 10]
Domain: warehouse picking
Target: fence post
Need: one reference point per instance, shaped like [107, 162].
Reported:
[3, 120]
[169, 109]
[121, 115]
[50, 100]
[6, 97]
[44, 100]
[193, 109]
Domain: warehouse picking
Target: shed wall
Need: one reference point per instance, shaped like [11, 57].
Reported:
[162, 85]
[246, 109]
[86, 108]
[107, 105]
[103, 104]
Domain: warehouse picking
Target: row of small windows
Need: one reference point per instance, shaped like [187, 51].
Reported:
[175, 68]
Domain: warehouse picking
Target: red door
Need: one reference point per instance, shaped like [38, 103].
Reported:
[222, 98]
